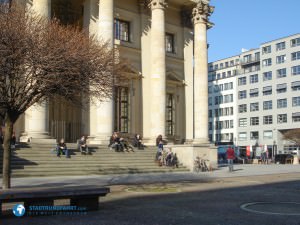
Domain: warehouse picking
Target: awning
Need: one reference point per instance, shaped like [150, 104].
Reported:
[268, 88]
[281, 86]
[296, 84]
[296, 114]
[254, 91]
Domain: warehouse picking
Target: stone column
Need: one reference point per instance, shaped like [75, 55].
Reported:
[158, 68]
[188, 52]
[101, 113]
[200, 19]
[37, 116]
[42, 7]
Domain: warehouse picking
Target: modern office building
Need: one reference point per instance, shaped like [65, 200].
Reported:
[267, 95]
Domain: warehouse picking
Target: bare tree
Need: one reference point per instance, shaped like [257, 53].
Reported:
[40, 60]
[292, 136]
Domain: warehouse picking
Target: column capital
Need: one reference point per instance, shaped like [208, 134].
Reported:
[157, 4]
[201, 12]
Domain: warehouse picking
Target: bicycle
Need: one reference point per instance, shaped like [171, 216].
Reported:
[200, 165]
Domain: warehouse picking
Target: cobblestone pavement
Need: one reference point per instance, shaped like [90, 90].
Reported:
[252, 194]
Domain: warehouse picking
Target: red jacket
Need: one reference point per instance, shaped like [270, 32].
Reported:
[230, 153]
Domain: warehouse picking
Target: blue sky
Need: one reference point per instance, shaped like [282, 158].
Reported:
[249, 23]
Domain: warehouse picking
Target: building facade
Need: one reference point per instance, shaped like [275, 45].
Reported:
[165, 43]
[267, 94]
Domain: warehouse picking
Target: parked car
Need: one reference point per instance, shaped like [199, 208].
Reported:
[283, 158]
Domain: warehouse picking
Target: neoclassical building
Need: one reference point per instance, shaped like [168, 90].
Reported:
[165, 43]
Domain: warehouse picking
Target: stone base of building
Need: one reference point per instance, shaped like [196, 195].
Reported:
[187, 153]
[98, 140]
[42, 138]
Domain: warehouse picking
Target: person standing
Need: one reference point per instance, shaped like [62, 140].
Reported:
[230, 158]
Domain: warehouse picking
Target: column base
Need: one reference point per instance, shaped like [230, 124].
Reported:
[187, 153]
[99, 140]
[37, 138]
[200, 141]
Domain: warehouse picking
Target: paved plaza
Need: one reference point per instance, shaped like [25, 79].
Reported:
[252, 194]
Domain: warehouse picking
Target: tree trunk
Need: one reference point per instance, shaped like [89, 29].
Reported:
[7, 152]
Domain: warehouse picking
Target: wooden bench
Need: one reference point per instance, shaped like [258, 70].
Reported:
[80, 196]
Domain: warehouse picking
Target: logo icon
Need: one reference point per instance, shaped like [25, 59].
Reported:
[19, 210]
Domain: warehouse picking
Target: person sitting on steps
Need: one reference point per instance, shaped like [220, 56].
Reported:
[83, 146]
[114, 142]
[137, 142]
[61, 149]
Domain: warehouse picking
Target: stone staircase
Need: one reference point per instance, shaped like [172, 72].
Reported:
[36, 160]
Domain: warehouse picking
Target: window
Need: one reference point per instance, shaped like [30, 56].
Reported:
[257, 56]
[210, 113]
[122, 29]
[267, 62]
[295, 42]
[282, 118]
[218, 100]
[242, 108]
[296, 86]
[280, 46]
[282, 103]
[242, 81]
[224, 75]
[228, 98]
[295, 70]
[267, 105]
[253, 78]
[254, 107]
[281, 73]
[229, 73]
[296, 117]
[268, 134]
[281, 88]
[266, 49]
[254, 135]
[267, 76]
[226, 64]
[295, 56]
[267, 90]
[121, 109]
[243, 122]
[253, 92]
[210, 101]
[268, 119]
[242, 94]
[232, 63]
[170, 115]
[247, 58]
[280, 59]
[231, 123]
[216, 112]
[209, 89]
[242, 136]
[221, 66]
[228, 86]
[228, 111]
[210, 125]
[296, 101]
[216, 66]
[254, 121]
[170, 44]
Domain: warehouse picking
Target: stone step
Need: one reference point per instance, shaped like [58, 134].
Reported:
[20, 173]
[38, 160]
